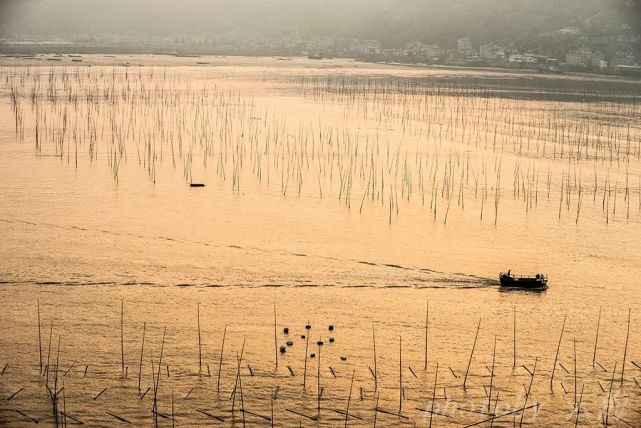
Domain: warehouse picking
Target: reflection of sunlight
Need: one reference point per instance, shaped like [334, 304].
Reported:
[349, 200]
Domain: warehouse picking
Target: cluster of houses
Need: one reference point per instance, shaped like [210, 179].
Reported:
[585, 58]
[466, 54]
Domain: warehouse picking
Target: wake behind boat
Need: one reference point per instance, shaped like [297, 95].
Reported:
[509, 280]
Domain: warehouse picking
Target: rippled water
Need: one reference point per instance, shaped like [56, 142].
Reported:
[80, 243]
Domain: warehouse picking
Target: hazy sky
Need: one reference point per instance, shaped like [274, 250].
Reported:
[402, 19]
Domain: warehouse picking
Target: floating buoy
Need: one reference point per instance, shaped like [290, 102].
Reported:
[331, 340]
[319, 343]
[308, 327]
[290, 343]
[302, 336]
[343, 358]
[312, 355]
[283, 349]
[286, 330]
[331, 328]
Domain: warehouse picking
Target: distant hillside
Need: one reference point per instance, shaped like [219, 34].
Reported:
[391, 21]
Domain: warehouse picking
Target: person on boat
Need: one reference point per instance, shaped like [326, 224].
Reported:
[508, 272]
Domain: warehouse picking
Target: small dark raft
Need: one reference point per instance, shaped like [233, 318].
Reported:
[196, 185]
[537, 282]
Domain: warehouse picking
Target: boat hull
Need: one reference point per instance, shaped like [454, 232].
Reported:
[523, 282]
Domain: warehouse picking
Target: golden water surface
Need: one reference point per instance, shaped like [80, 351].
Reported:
[336, 193]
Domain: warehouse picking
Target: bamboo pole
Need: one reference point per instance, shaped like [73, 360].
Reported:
[400, 375]
[489, 396]
[625, 350]
[157, 380]
[575, 385]
[49, 354]
[240, 385]
[275, 339]
[514, 341]
[318, 378]
[306, 354]
[220, 361]
[558, 348]
[527, 395]
[271, 399]
[375, 370]
[513, 412]
[55, 392]
[378, 397]
[607, 411]
[578, 408]
[173, 413]
[349, 398]
[39, 336]
[142, 348]
[200, 359]
[596, 339]
[122, 336]
[496, 404]
[433, 394]
[469, 363]
[427, 314]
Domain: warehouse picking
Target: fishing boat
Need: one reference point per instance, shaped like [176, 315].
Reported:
[509, 280]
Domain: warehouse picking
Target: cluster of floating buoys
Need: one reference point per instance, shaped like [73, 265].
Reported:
[308, 327]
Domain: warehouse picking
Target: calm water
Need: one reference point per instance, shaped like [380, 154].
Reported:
[346, 194]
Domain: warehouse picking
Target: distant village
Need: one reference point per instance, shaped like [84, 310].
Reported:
[584, 59]
[604, 56]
